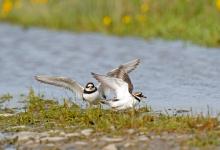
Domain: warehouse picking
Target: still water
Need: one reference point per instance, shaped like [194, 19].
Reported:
[172, 74]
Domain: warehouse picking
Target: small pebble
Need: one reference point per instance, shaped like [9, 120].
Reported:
[126, 145]
[108, 139]
[87, 132]
[72, 134]
[70, 146]
[143, 138]
[53, 139]
[110, 147]
[80, 143]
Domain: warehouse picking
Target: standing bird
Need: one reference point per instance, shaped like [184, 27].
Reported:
[90, 93]
[123, 88]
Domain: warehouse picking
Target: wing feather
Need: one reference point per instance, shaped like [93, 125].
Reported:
[118, 85]
[122, 74]
[64, 82]
[122, 71]
[128, 67]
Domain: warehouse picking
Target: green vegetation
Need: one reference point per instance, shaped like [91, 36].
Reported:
[190, 20]
[44, 115]
[5, 97]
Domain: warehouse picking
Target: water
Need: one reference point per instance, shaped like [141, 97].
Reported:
[172, 74]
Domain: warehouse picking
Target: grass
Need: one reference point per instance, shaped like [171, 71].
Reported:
[196, 21]
[44, 115]
[5, 97]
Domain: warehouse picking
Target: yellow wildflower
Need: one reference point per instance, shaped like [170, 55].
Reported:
[7, 7]
[126, 19]
[144, 8]
[218, 4]
[107, 21]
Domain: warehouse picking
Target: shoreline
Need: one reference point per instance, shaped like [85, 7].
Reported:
[48, 124]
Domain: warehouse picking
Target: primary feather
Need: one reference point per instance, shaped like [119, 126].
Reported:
[128, 67]
[64, 82]
[121, 72]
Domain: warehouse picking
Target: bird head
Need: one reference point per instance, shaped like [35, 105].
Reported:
[90, 86]
[139, 96]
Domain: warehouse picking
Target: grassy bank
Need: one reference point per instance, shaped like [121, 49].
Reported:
[43, 115]
[196, 21]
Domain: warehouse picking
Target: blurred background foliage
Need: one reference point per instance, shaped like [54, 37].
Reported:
[191, 20]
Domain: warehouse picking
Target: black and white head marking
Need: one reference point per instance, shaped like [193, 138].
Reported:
[138, 96]
[89, 88]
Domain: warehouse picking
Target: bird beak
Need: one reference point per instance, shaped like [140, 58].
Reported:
[144, 96]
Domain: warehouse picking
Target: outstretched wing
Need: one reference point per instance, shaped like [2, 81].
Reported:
[103, 90]
[122, 72]
[64, 82]
[128, 67]
[118, 85]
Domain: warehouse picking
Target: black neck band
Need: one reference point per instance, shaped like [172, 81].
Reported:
[89, 92]
[137, 98]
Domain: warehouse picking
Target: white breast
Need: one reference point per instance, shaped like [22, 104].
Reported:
[92, 98]
[128, 101]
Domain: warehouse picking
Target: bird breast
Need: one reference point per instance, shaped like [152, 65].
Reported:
[91, 96]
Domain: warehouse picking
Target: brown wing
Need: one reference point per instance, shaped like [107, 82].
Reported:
[122, 74]
[123, 70]
[128, 67]
[118, 73]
